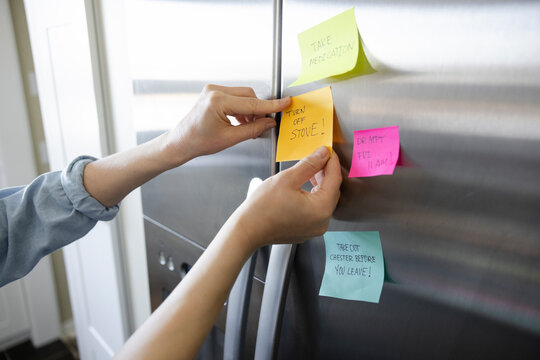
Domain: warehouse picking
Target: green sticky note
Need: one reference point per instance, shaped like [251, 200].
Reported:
[330, 48]
[354, 266]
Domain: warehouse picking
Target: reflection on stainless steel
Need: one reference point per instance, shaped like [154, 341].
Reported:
[460, 218]
[210, 41]
[185, 253]
[176, 48]
[466, 207]
[433, 36]
[198, 197]
[194, 86]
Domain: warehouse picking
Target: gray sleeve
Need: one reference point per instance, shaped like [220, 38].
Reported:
[51, 212]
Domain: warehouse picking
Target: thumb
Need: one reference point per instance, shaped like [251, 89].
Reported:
[252, 129]
[309, 166]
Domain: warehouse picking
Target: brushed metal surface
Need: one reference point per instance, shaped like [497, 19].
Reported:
[459, 219]
[433, 36]
[199, 196]
[184, 254]
[178, 47]
[195, 199]
[405, 324]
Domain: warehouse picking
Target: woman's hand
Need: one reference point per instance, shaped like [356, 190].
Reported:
[279, 211]
[207, 129]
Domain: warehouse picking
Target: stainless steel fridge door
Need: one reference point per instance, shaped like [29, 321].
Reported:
[170, 258]
[459, 221]
[176, 48]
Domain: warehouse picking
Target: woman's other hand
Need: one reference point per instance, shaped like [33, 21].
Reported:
[207, 129]
[280, 211]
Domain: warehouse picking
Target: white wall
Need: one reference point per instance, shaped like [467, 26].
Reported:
[36, 306]
[16, 152]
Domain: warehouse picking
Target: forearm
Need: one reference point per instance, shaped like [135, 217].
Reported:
[206, 129]
[110, 179]
[179, 326]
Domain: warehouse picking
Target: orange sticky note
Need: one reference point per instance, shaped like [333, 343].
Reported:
[306, 125]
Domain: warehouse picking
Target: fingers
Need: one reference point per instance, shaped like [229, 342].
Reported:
[329, 184]
[238, 105]
[306, 168]
[235, 91]
[251, 130]
[242, 102]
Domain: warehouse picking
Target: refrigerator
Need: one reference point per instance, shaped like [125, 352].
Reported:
[459, 219]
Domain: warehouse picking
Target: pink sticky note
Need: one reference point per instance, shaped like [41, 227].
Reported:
[375, 152]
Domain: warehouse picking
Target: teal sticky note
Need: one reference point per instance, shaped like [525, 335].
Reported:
[354, 266]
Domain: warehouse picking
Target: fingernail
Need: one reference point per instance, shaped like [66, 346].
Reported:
[322, 152]
[285, 100]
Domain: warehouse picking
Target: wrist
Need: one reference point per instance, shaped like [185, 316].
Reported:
[170, 153]
[250, 233]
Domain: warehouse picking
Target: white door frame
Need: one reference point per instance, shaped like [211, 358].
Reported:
[74, 124]
[114, 93]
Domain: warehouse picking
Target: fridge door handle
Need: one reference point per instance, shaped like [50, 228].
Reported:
[238, 303]
[273, 301]
[237, 312]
